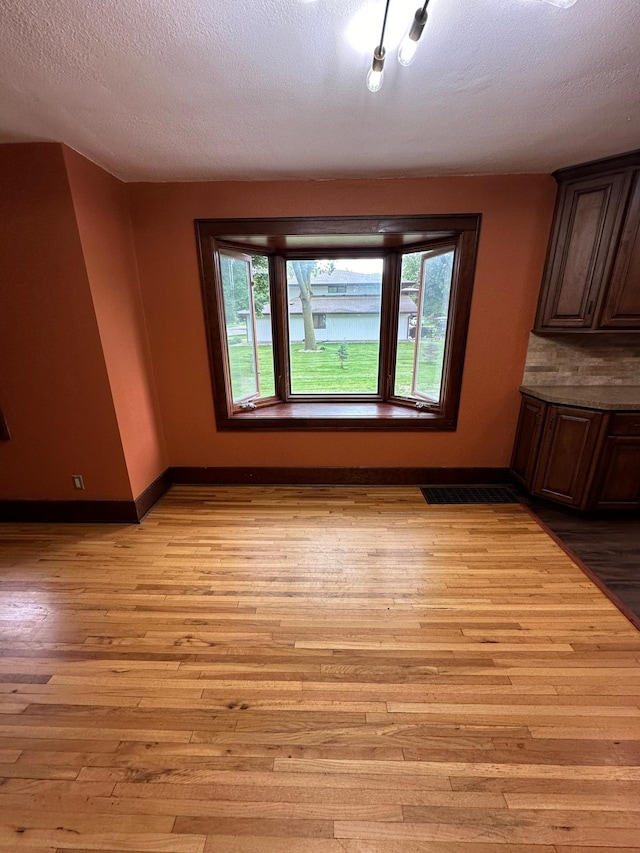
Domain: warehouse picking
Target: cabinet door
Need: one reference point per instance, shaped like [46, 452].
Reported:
[622, 308]
[617, 484]
[587, 220]
[567, 454]
[525, 450]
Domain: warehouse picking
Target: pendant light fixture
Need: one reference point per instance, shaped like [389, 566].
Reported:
[376, 72]
[409, 44]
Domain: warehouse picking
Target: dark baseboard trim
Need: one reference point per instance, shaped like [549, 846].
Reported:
[132, 512]
[87, 512]
[152, 494]
[337, 476]
[81, 512]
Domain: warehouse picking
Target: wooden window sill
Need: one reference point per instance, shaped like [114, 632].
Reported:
[336, 416]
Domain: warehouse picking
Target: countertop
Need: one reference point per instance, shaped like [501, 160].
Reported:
[625, 398]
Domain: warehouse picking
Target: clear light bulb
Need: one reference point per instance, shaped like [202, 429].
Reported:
[374, 77]
[407, 50]
[374, 80]
[409, 44]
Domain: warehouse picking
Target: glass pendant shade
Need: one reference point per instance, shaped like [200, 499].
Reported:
[409, 44]
[407, 50]
[374, 80]
[376, 72]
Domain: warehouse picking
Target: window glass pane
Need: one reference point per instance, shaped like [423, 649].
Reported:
[260, 266]
[422, 323]
[250, 359]
[334, 334]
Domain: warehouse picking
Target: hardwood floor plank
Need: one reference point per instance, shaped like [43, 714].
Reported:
[512, 817]
[546, 835]
[568, 785]
[284, 794]
[53, 787]
[20, 770]
[27, 728]
[33, 840]
[409, 768]
[9, 756]
[261, 827]
[575, 802]
[252, 844]
[262, 776]
[269, 811]
[412, 846]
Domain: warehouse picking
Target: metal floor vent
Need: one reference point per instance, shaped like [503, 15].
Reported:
[469, 495]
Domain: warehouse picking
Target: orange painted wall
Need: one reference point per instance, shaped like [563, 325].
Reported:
[517, 213]
[100, 203]
[54, 387]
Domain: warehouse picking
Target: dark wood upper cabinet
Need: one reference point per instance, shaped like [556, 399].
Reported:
[592, 275]
[567, 453]
[581, 250]
[622, 307]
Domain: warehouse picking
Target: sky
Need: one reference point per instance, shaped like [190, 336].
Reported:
[359, 264]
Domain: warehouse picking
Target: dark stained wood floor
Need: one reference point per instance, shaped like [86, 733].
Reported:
[609, 547]
[319, 670]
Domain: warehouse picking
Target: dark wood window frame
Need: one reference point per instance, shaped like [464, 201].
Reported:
[389, 237]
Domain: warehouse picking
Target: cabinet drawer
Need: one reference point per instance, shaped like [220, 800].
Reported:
[627, 424]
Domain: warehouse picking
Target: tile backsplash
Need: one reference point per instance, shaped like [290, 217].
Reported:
[583, 360]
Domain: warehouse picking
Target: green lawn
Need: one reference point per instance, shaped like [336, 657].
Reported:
[321, 372]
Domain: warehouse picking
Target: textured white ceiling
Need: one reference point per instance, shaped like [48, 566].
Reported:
[209, 89]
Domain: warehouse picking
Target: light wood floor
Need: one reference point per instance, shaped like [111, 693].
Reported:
[316, 670]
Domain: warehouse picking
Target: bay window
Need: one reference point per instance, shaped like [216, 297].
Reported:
[337, 323]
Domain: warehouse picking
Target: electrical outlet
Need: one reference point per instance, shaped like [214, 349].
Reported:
[78, 482]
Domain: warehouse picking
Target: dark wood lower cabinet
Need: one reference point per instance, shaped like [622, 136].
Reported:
[583, 458]
[617, 484]
[525, 451]
[566, 455]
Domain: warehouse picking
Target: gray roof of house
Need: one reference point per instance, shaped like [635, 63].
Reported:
[346, 305]
[341, 277]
